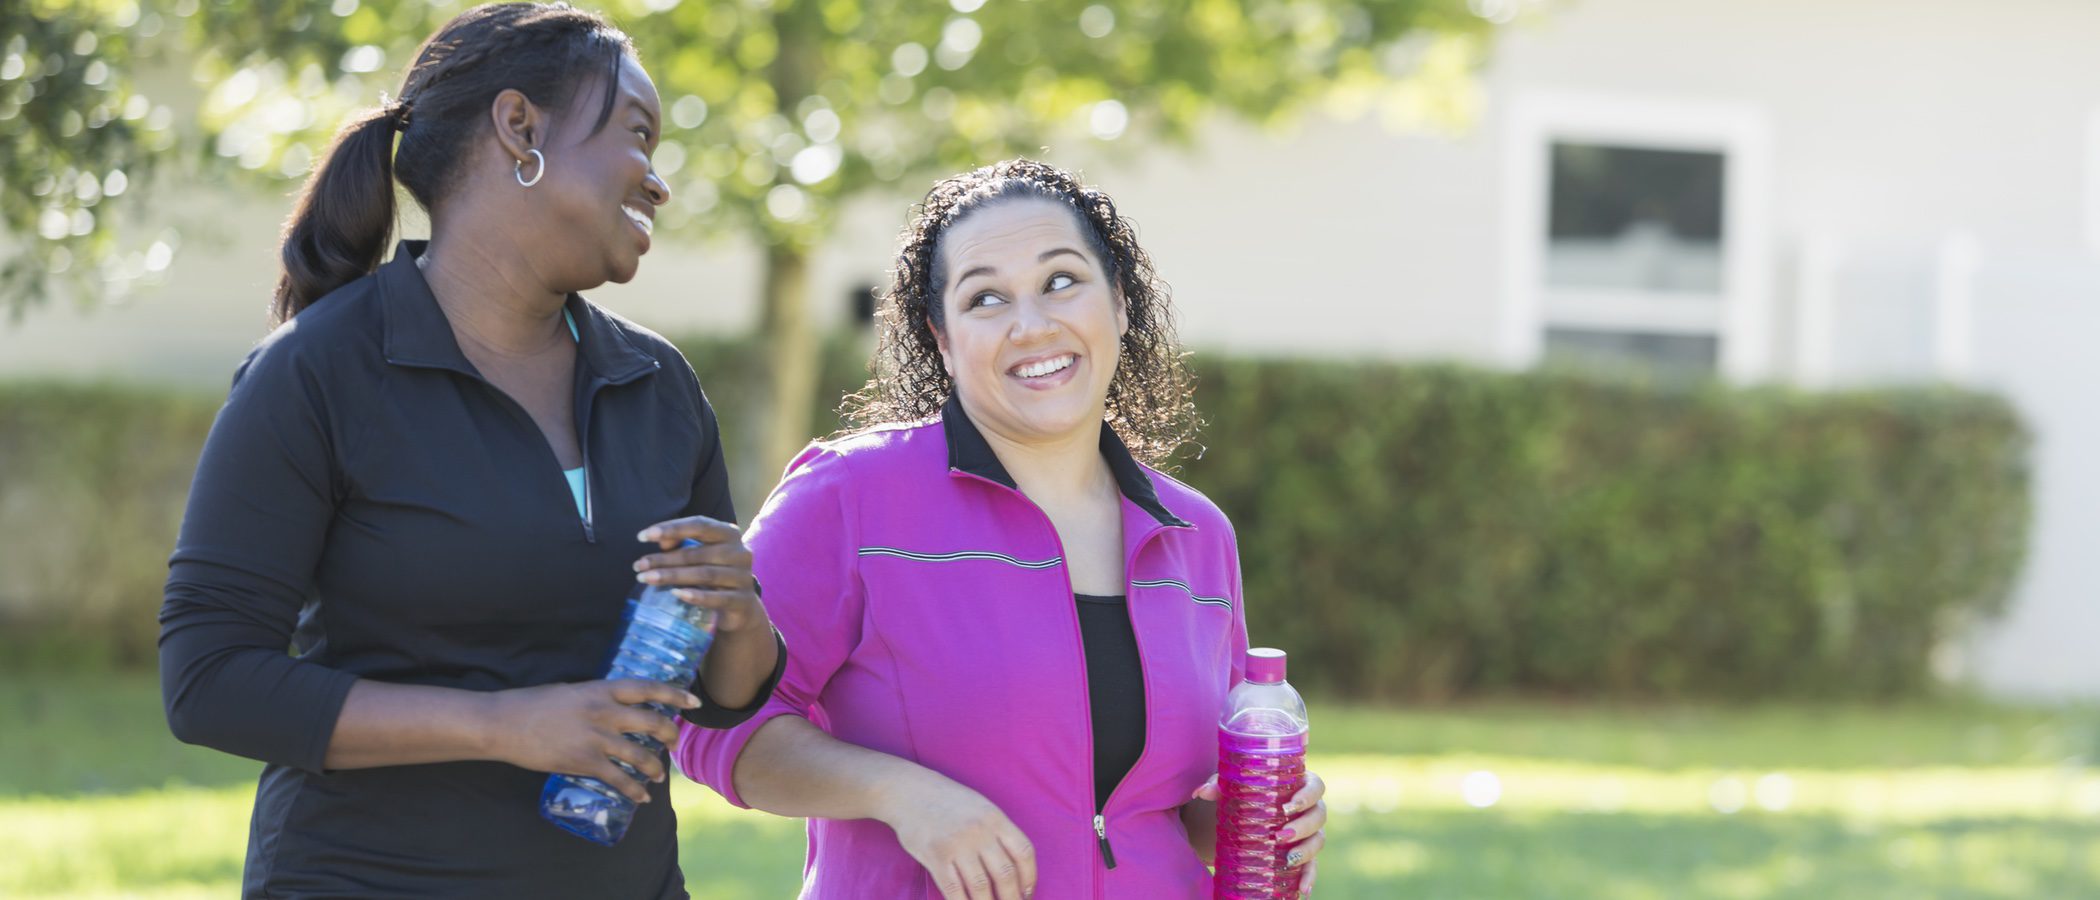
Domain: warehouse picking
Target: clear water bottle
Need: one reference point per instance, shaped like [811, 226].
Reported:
[1261, 765]
[665, 640]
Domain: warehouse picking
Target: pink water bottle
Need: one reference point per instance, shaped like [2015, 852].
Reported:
[1261, 765]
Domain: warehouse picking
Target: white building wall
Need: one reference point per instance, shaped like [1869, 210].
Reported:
[2036, 319]
[1340, 238]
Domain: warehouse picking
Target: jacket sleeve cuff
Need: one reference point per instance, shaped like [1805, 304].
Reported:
[711, 714]
[330, 711]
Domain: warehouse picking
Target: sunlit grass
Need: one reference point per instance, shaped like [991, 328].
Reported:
[172, 842]
[1499, 801]
[1773, 735]
[1505, 853]
[1379, 784]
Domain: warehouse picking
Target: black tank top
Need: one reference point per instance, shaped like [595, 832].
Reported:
[1115, 690]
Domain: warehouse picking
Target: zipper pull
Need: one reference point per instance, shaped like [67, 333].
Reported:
[1108, 854]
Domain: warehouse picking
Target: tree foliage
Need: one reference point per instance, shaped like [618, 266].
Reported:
[784, 108]
[77, 138]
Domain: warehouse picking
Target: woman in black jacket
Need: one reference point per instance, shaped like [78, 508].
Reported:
[429, 482]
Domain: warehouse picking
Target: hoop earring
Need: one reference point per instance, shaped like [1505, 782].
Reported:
[519, 170]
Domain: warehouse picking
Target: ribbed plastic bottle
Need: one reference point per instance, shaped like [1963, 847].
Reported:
[1261, 765]
[664, 641]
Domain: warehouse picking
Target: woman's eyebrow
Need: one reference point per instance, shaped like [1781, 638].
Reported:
[1044, 256]
[636, 102]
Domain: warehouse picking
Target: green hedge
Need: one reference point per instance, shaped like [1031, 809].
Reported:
[92, 483]
[1428, 532]
[1406, 531]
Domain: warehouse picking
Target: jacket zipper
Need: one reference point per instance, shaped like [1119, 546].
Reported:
[583, 438]
[592, 386]
[1108, 853]
[1108, 850]
[583, 441]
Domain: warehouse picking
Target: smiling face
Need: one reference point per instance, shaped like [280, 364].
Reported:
[1032, 324]
[597, 204]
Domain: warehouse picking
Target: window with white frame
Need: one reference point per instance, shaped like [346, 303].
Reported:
[1633, 257]
[1637, 233]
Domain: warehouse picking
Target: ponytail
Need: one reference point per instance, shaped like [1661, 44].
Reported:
[338, 231]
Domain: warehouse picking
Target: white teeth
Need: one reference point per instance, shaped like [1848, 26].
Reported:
[648, 225]
[1040, 369]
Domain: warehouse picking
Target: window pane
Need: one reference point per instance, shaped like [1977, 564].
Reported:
[1626, 218]
[1667, 356]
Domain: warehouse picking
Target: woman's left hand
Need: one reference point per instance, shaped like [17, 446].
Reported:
[716, 574]
[1306, 834]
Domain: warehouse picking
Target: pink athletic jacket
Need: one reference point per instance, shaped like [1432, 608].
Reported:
[930, 616]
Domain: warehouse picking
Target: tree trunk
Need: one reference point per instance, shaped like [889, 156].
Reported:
[792, 364]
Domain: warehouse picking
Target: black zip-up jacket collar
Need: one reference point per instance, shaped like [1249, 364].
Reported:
[968, 452]
[416, 332]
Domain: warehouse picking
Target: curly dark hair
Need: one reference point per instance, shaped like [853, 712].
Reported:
[1149, 403]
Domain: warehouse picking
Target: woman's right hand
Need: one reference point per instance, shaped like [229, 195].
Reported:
[578, 729]
[972, 850]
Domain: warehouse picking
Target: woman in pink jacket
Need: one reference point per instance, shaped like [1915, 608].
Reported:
[1011, 637]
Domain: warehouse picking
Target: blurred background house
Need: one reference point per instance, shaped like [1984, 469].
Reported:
[1814, 194]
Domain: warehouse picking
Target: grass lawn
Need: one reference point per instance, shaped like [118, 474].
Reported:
[1494, 800]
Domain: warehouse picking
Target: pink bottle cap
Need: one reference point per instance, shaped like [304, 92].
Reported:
[1265, 665]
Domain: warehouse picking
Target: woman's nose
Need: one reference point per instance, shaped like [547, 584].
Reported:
[1031, 324]
[659, 192]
